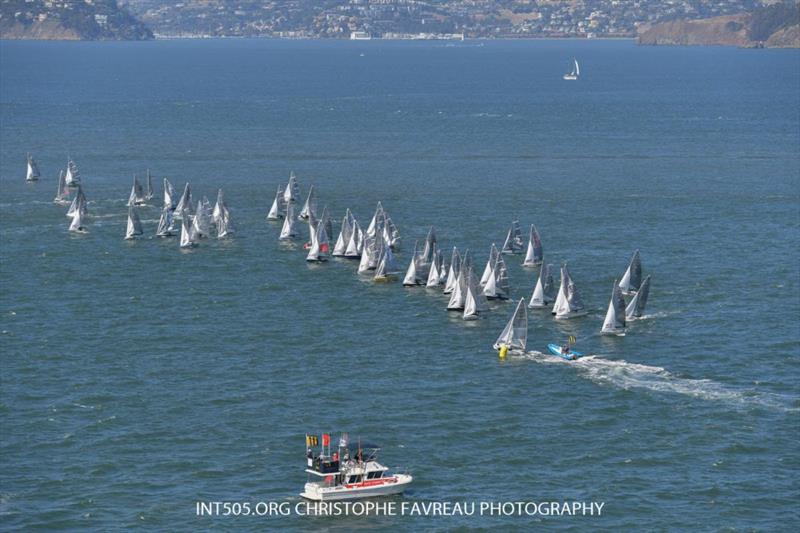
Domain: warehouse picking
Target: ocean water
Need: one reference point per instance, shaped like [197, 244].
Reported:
[137, 379]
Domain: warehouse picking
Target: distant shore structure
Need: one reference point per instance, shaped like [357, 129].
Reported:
[360, 36]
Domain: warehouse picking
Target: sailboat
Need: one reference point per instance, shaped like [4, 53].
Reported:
[497, 285]
[185, 202]
[165, 228]
[345, 233]
[534, 254]
[411, 278]
[219, 207]
[515, 335]
[614, 323]
[134, 224]
[428, 252]
[292, 190]
[78, 204]
[513, 243]
[452, 274]
[475, 303]
[487, 271]
[77, 225]
[33, 170]
[435, 271]
[356, 244]
[635, 308]
[150, 191]
[62, 195]
[187, 233]
[288, 231]
[170, 200]
[575, 74]
[137, 193]
[633, 276]
[201, 222]
[310, 207]
[278, 205]
[72, 177]
[320, 246]
[458, 298]
[568, 302]
[224, 224]
[371, 253]
[544, 292]
[386, 270]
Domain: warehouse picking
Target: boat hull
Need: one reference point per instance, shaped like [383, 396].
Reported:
[555, 349]
[573, 314]
[367, 489]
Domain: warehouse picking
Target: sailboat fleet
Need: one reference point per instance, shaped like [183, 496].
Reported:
[429, 266]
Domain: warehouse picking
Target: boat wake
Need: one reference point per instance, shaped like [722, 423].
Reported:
[625, 375]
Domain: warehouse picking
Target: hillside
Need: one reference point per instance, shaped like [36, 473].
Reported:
[773, 26]
[69, 20]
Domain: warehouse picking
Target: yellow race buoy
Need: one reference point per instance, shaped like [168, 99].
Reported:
[502, 351]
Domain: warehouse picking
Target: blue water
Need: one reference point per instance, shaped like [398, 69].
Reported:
[138, 379]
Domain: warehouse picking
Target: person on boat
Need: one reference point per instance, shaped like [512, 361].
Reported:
[310, 456]
[335, 457]
[565, 349]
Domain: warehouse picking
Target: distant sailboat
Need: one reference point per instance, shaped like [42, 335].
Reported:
[614, 323]
[497, 285]
[150, 193]
[633, 275]
[370, 255]
[452, 274]
[412, 278]
[310, 207]
[165, 227]
[33, 170]
[134, 224]
[345, 233]
[568, 302]
[534, 254]
[386, 270]
[78, 204]
[187, 233]
[435, 271]
[278, 205]
[544, 292]
[170, 200]
[458, 298]
[475, 303]
[576, 72]
[355, 245]
[487, 271]
[320, 246]
[77, 225]
[72, 178]
[62, 195]
[221, 216]
[430, 245]
[515, 335]
[289, 230]
[201, 222]
[137, 193]
[513, 243]
[185, 204]
[635, 308]
[292, 190]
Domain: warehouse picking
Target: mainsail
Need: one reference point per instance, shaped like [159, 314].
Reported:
[356, 244]
[434, 273]
[633, 275]
[459, 295]
[72, 177]
[345, 233]
[636, 306]
[187, 234]
[62, 196]
[78, 204]
[134, 224]
[487, 271]
[77, 224]
[165, 223]
[430, 246]
[386, 267]
[452, 274]
[497, 286]
[543, 293]
[568, 302]
[219, 207]
[185, 202]
[278, 205]
[310, 207]
[170, 200]
[201, 222]
[515, 334]
[137, 193]
[319, 244]
[33, 170]
[534, 254]
[292, 190]
[513, 243]
[411, 278]
[614, 324]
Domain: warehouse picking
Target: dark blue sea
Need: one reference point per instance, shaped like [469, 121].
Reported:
[137, 379]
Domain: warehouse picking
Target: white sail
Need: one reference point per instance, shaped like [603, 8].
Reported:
[72, 177]
[219, 207]
[187, 237]
[371, 253]
[185, 202]
[614, 323]
[201, 222]
[376, 223]
[543, 292]
[513, 243]
[62, 196]
[515, 334]
[345, 233]
[411, 277]
[77, 224]
[310, 207]
[137, 193]
[497, 286]
[475, 302]
[434, 273]
[635, 308]
[170, 200]
[577, 68]
[428, 251]
[534, 254]
[459, 295]
[356, 243]
[633, 275]
[390, 234]
[278, 205]
[33, 170]
[487, 271]
[165, 228]
[319, 245]
[452, 274]
[575, 73]
[78, 203]
[288, 231]
[292, 190]
[134, 224]
[150, 193]
[386, 267]
[568, 303]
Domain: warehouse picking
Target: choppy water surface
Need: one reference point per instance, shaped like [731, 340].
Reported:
[138, 378]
